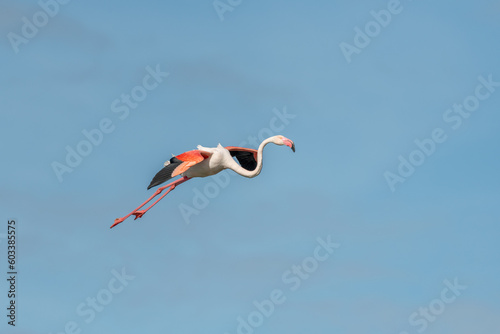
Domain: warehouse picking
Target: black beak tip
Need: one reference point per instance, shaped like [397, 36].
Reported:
[293, 147]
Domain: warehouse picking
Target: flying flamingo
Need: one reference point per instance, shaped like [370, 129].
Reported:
[204, 162]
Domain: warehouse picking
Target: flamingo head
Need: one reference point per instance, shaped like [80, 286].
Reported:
[282, 140]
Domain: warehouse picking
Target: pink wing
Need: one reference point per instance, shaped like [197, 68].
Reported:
[178, 165]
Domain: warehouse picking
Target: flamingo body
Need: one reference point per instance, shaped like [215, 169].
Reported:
[205, 162]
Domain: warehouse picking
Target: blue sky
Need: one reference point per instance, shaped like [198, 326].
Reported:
[352, 118]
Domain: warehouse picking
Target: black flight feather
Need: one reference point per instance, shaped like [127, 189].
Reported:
[165, 173]
[246, 159]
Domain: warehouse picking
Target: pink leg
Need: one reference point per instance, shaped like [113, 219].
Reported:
[139, 213]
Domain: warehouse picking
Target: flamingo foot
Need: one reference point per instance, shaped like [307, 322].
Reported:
[117, 221]
[139, 213]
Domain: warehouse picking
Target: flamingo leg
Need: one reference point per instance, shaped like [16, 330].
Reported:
[139, 213]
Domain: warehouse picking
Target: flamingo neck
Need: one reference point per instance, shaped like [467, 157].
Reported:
[251, 173]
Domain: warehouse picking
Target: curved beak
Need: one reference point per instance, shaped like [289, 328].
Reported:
[290, 144]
